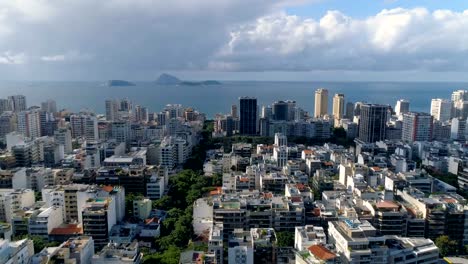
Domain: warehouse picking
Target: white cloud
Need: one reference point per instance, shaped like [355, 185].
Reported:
[53, 58]
[139, 38]
[395, 39]
[12, 58]
[69, 56]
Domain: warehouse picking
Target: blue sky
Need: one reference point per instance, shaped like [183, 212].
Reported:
[365, 8]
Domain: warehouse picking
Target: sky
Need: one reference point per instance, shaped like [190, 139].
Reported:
[303, 40]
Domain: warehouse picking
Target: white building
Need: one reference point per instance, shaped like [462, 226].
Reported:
[43, 223]
[402, 106]
[306, 236]
[357, 242]
[441, 109]
[18, 252]
[12, 200]
[63, 137]
[29, 123]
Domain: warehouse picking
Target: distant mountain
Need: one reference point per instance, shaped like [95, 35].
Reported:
[208, 82]
[167, 79]
[119, 83]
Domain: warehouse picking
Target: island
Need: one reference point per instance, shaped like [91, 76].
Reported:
[119, 83]
[167, 79]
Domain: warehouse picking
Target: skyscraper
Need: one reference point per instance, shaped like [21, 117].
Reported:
[349, 113]
[248, 116]
[112, 110]
[441, 109]
[29, 123]
[372, 124]
[85, 126]
[338, 106]
[49, 106]
[234, 113]
[4, 105]
[17, 103]
[280, 110]
[460, 95]
[321, 102]
[401, 107]
[417, 127]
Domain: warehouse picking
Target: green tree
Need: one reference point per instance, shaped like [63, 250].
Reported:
[285, 239]
[446, 246]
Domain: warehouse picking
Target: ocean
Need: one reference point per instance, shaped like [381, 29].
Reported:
[213, 99]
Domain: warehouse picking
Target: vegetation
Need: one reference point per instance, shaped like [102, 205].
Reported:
[285, 239]
[129, 198]
[446, 246]
[185, 188]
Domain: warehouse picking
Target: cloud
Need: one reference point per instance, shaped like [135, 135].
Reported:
[69, 56]
[12, 58]
[137, 39]
[60, 57]
[396, 39]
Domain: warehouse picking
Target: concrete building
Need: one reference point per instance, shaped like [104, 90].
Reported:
[113, 253]
[441, 109]
[84, 126]
[402, 106]
[49, 106]
[356, 242]
[45, 221]
[99, 216]
[63, 137]
[338, 106]
[18, 252]
[417, 127]
[321, 102]
[458, 129]
[142, 208]
[17, 103]
[248, 116]
[309, 235]
[372, 122]
[13, 200]
[8, 124]
[29, 123]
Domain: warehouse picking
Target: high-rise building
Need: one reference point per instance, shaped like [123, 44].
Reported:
[460, 95]
[321, 102]
[267, 112]
[17, 103]
[338, 106]
[458, 129]
[120, 131]
[4, 105]
[84, 125]
[112, 110]
[7, 124]
[29, 123]
[372, 123]
[291, 109]
[401, 107]
[248, 116]
[49, 106]
[349, 111]
[141, 114]
[280, 110]
[234, 113]
[417, 127]
[63, 137]
[441, 109]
